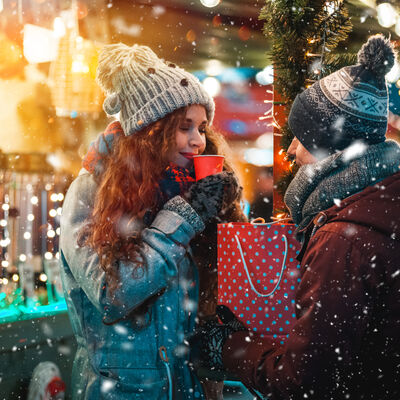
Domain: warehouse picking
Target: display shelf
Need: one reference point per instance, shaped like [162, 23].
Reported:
[22, 313]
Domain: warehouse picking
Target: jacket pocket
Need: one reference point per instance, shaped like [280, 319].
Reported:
[128, 383]
[127, 348]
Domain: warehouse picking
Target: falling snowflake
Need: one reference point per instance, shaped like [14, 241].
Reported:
[356, 150]
[120, 329]
[107, 385]
[337, 202]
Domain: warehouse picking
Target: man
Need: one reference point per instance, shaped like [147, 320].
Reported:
[345, 201]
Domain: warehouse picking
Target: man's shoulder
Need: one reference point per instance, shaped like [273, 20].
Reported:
[375, 207]
[368, 219]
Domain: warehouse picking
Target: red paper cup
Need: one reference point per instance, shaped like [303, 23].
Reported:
[207, 165]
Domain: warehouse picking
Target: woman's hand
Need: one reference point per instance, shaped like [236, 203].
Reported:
[211, 196]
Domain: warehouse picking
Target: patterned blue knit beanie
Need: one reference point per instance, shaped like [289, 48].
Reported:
[143, 88]
[348, 105]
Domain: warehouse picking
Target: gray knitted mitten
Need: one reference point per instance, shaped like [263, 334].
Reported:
[211, 196]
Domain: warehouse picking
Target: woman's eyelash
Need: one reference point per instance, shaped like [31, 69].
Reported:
[185, 128]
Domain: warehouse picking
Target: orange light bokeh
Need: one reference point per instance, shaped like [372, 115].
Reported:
[244, 33]
[190, 35]
[217, 21]
[82, 10]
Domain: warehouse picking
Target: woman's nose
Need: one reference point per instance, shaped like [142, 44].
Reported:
[196, 139]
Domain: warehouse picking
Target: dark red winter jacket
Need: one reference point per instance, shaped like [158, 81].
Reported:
[345, 343]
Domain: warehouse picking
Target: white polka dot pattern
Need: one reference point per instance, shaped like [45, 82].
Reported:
[263, 248]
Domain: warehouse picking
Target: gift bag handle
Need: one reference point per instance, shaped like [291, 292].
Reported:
[261, 221]
[247, 270]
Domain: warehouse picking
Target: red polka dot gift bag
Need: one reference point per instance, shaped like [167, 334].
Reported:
[258, 274]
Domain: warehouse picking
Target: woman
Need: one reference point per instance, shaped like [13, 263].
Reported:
[129, 223]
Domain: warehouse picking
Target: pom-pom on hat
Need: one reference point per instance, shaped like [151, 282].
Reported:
[348, 105]
[143, 88]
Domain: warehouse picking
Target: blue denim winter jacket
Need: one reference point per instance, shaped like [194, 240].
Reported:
[125, 360]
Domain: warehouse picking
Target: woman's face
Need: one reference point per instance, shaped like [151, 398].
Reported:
[190, 137]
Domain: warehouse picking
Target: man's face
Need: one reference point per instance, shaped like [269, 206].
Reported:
[302, 156]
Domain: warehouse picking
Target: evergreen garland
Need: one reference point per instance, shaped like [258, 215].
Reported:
[303, 34]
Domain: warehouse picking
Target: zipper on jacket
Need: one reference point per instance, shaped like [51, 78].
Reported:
[162, 351]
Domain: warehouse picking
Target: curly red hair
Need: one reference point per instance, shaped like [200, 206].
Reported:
[128, 187]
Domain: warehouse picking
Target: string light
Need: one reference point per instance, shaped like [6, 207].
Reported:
[48, 255]
[59, 27]
[387, 15]
[22, 257]
[5, 207]
[43, 277]
[54, 197]
[51, 233]
[210, 3]
[269, 111]
[5, 242]
[275, 125]
[330, 7]
[308, 54]
[27, 235]
[79, 66]
[214, 67]
[15, 278]
[212, 86]
[34, 200]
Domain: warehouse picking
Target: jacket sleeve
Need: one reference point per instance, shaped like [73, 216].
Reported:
[332, 306]
[164, 246]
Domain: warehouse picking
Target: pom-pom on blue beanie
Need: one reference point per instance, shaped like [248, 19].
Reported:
[348, 105]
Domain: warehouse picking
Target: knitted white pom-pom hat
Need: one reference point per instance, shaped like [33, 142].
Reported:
[143, 88]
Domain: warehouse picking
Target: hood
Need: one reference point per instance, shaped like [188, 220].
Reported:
[377, 207]
[101, 147]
